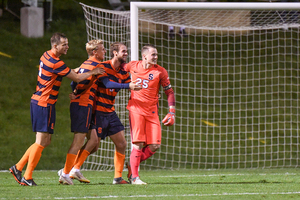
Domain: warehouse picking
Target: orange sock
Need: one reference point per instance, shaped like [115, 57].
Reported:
[78, 155]
[23, 161]
[119, 160]
[69, 162]
[34, 158]
[81, 158]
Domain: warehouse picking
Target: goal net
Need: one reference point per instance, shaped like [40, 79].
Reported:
[235, 75]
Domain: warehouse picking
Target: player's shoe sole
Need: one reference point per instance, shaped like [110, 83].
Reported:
[138, 181]
[119, 180]
[28, 182]
[16, 173]
[78, 176]
[65, 180]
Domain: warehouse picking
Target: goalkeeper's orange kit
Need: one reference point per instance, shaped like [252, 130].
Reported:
[143, 105]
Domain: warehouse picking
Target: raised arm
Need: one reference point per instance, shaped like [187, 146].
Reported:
[80, 77]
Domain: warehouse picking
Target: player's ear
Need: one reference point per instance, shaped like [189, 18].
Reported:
[115, 53]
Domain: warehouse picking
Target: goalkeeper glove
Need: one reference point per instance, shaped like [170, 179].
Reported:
[169, 118]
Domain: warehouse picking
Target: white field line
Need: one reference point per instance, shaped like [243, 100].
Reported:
[163, 195]
[238, 174]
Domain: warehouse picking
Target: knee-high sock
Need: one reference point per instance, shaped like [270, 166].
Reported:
[33, 160]
[135, 160]
[119, 160]
[69, 162]
[23, 161]
[81, 158]
[146, 153]
[77, 156]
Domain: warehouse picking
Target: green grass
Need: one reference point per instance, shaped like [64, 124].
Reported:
[162, 184]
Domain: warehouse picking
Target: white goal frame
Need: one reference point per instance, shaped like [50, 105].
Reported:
[224, 72]
[134, 14]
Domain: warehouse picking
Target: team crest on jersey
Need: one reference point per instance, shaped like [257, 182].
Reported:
[150, 77]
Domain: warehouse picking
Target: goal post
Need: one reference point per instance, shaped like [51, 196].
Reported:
[235, 75]
[135, 6]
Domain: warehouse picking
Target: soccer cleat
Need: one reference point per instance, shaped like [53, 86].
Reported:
[16, 173]
[182, 33]
[138, 181]
[119, 180]
[65, 180]
[171, 34]
[129, 175]
[78, 176]
[59, 173]
[28, 182]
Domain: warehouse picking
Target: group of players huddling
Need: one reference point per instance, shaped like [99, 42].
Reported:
[95, 86]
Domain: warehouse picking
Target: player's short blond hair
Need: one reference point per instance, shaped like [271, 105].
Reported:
[92, 45]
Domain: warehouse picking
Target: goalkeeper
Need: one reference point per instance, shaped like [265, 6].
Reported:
[145, 126]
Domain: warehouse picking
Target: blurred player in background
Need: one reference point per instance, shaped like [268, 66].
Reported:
[42, 106]
[145, 126]
[107, 123]
[181, 31]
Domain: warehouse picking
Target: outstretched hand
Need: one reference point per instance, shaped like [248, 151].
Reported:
[169, 119]
[134, 86]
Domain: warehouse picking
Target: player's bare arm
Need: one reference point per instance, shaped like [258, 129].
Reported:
[80, 77]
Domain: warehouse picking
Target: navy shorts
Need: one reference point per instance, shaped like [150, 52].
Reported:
[42, 118]
[107, 124]
[80, 117]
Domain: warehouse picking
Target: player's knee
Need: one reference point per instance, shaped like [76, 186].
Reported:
[121, 146]
[154, 147]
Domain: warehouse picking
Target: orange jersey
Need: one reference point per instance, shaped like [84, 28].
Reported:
[51, 72]
[145, 101]
[105, 98]
[85, 90]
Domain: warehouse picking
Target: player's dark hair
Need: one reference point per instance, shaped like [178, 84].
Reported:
[115, 47]
[55, 39]
[147, 47]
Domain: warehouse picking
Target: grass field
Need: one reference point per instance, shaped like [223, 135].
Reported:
[272, 184]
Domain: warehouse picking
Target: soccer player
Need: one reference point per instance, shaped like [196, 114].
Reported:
[42, 106]
[81, 109]
[145, 126]
[106, 120]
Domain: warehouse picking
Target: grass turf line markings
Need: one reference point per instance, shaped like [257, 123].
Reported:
[180, 195]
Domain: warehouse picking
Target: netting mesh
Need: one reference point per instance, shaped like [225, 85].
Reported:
[235, 76]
